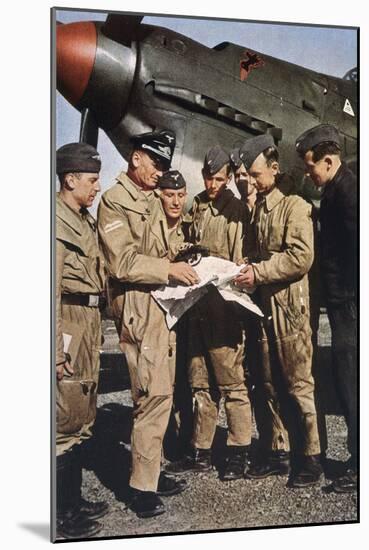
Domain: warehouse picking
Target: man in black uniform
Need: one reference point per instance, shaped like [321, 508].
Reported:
[319, 148]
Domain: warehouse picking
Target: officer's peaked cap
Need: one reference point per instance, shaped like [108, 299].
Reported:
[159, 145]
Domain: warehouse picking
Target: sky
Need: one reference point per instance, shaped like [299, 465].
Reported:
[328, 50]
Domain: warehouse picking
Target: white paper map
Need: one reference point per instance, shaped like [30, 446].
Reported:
[176, 300]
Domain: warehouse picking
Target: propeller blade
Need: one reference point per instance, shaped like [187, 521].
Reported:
[122, 28]
[89, 130]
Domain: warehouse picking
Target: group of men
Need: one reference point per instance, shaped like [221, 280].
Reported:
[140, 230]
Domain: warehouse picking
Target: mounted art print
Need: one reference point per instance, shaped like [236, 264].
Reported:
[204, 274]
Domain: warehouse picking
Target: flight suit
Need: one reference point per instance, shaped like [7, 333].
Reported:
[79, 270]
[279, 244]
[216, 337]
[138, 247]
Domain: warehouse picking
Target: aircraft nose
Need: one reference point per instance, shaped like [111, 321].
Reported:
[75, 56]
[94, 71]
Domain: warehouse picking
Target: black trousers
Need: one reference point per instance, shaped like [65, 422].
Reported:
[343, 321]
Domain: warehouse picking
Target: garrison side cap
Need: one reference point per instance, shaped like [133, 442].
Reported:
[234, 158]
[157, 144]
[77, 157]
[215, 159]
[314, 136]
[172, 179]
[252, 148]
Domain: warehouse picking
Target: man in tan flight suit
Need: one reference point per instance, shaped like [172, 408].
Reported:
[173, 195]
[279, 247]
[248, 193]
[137, 245]
[79, 284]
[215, 334]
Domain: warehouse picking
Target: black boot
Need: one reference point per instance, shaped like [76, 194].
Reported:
[71, 523]
[146, 504]
[167, 486]
[93, 510]
[276, 463]
[236, 463]
[198, 461]
[347, 483]
[308, 473]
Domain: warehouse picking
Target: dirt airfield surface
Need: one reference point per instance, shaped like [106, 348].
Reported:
[209, 504]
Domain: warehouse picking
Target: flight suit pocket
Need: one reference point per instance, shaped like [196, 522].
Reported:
[294, 304]
[76, 404]
[228, 365]
[156, 369]
[231, 376]
[295, 354]
[72, 337]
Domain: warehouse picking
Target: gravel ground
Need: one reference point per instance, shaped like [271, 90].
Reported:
[207, 503]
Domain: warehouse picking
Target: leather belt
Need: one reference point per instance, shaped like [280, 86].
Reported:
[89, 300]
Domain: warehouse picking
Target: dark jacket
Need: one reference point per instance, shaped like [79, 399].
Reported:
[338, 237]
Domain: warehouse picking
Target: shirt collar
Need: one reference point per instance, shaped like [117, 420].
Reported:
[221, 202]
[273, 198]
[134, 190]
[69, 216]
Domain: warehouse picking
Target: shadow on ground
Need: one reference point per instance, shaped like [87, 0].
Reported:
[107, 453]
